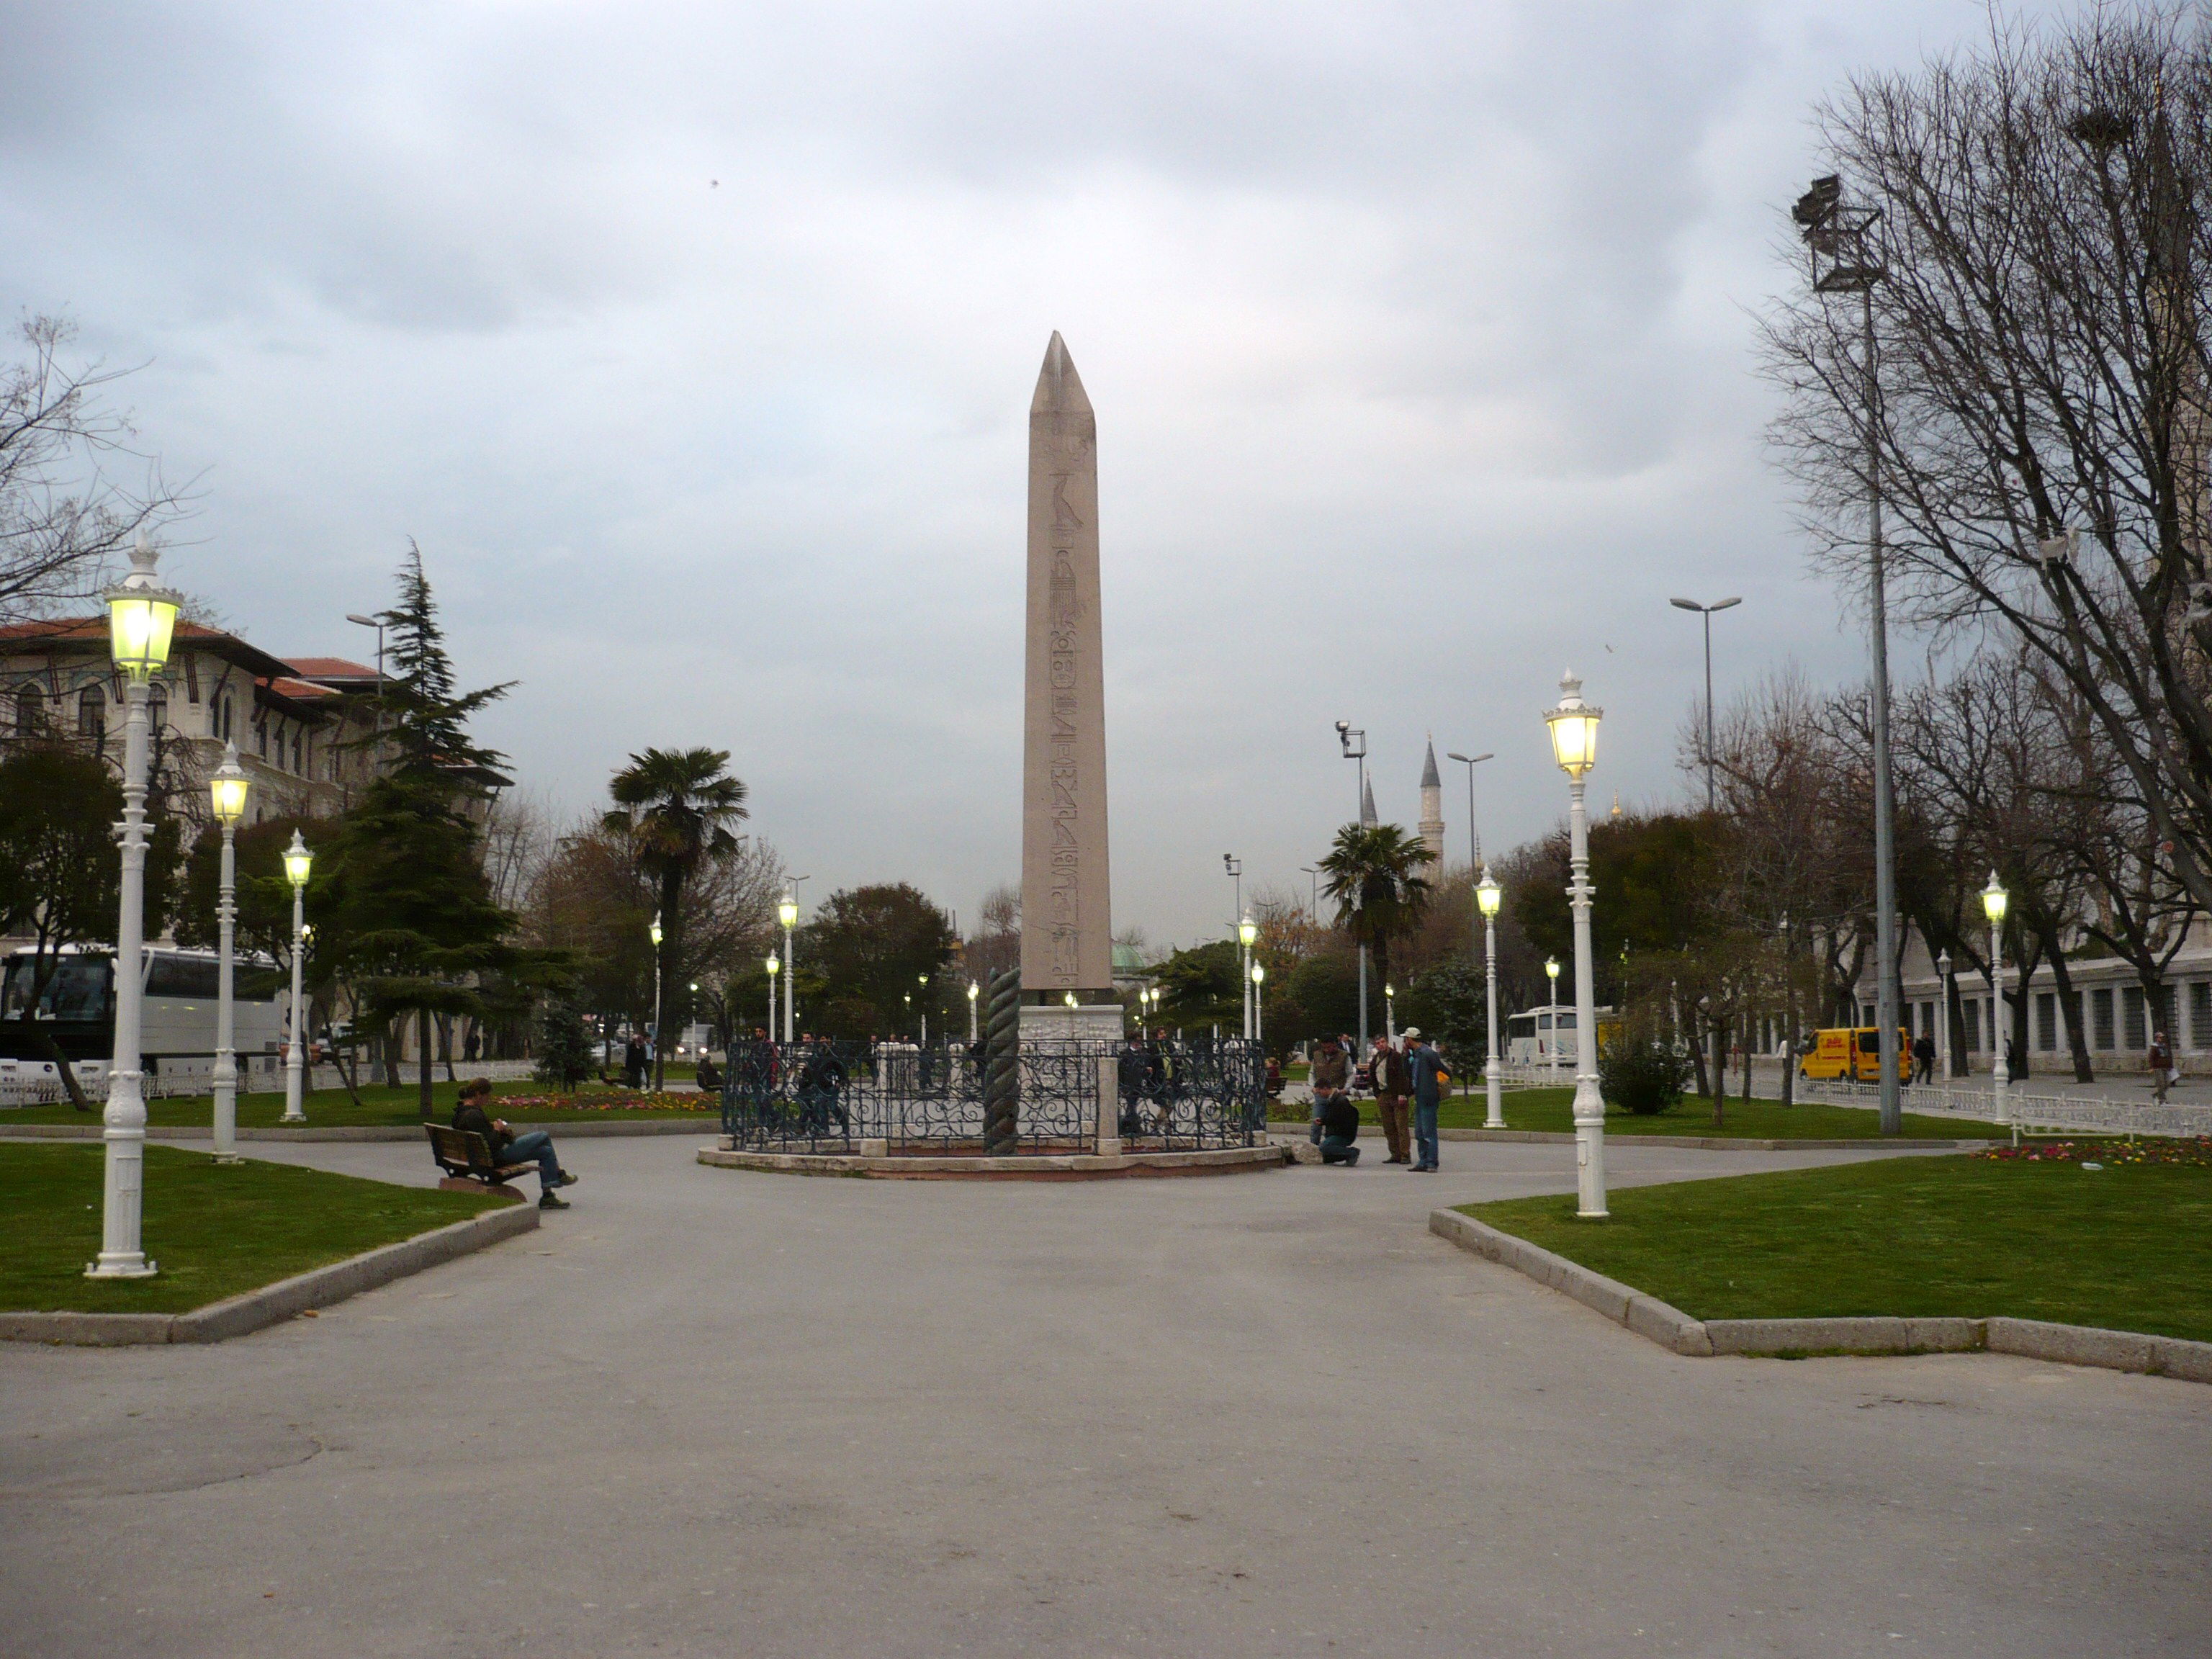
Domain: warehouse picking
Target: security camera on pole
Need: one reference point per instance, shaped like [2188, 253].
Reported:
[228, 790]
[1573, 725]
[141, 616]
[299, 863]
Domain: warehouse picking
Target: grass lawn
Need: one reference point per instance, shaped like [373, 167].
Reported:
[332, 1108]
[1551, 1109]
[215, 1231]
[2127, 1248]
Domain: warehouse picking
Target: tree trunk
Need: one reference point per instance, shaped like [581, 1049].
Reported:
[1962, 1062]
[445, 1046]
[2069, 1010]
[62, 1070]
[1697, 1060]
[1720, 1070]
[423, 1060]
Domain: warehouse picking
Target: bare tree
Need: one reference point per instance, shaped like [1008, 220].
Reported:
[995, 947]
[61, 515]
[2041, 368]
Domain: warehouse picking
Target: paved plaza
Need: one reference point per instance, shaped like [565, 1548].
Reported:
[720, 1414]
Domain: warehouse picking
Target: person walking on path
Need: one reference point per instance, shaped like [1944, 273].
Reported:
[633, 1062]
[1330, 1071]
[1427, 1067]
[1923, 1059]
[1394, 1081]
[508, 1147]
[2161, 1067]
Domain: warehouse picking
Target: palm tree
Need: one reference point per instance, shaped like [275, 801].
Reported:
[1375, 875]
[676, 807]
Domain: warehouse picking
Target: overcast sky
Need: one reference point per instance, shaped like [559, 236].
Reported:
[695, 344]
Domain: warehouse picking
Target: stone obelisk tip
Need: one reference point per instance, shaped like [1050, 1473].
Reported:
[1059, 388]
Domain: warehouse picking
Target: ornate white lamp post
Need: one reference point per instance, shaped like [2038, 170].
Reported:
[141, 616]
[655, 931]
[298, 863]
[1552, 1046]
[1487, 895]
[1389, 1012]
[973, 991]
[1944, 992]
[1994, 901]
[1247, 934]
[1574, 746]
[1259, 979]
[228, 787]
[775, 966]
[787, 914]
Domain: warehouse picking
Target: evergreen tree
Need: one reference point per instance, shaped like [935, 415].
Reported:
[413, 927]
[564, 1051]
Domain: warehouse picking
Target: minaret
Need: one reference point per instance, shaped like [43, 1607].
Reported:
[1367, 819]
[1432, 808]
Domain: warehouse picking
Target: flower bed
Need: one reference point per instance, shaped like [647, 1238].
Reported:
[692, 1105]
[2195, 1153]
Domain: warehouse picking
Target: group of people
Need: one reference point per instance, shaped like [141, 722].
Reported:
[1408, 1072]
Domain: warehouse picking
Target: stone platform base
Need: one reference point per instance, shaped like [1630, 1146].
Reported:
[1051, 1166]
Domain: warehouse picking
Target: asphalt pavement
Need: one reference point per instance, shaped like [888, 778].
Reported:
[728, 1413]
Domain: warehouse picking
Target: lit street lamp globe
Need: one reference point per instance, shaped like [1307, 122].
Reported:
[1488, 894]
[298, 861]
[1574, 729]
[1994, 901]
[142, 615]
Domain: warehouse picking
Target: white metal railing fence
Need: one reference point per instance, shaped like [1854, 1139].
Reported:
[2028, 1111]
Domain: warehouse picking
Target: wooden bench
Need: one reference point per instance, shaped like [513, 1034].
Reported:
[466, 1158]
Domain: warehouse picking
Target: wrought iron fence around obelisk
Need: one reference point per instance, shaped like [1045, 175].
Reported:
[830, 1097]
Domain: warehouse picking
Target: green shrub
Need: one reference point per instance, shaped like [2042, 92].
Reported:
[1642, 1073]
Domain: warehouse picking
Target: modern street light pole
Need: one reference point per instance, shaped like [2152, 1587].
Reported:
[227, 788]
[1574, 744]
[1313, 899]
[1486, 896]
[1994, 901]
[142, 615]
[1836, 234]
[1706, 611]
[299, 863]
[1235, 868]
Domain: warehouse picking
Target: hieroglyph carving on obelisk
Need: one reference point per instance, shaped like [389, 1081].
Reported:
[1066, 935]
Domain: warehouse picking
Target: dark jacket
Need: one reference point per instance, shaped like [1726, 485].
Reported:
[1341, 1122]
[1392, 1075]
[469, 1115]
[1426, 1063]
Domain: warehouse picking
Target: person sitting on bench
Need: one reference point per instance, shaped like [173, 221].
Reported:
[1340, 1127]
[508, 1147]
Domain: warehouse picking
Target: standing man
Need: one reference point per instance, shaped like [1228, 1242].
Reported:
[1924, 1058]
[1394, 1082]
[1330, 1071]
[1429, 1075]
[2161, 1065]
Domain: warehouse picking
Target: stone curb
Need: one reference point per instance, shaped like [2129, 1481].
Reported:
[1072, 1166]
[2032, 1339]
[1702, 1143]
[318, 1288]
[1648, 1316]
[391, 1132]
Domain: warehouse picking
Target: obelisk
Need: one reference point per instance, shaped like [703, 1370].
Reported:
[1067, 945]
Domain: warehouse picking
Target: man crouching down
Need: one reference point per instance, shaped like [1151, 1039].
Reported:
[508, 1147]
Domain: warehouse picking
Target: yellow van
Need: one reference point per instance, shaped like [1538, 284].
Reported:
[1853, 1054]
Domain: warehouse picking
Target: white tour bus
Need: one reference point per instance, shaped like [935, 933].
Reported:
[76, 1010]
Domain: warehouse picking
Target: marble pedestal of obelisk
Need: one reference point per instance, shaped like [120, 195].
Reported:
[1067, 948]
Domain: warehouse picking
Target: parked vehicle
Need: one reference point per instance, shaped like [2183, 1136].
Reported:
[177, 1015]
[1854, 1055]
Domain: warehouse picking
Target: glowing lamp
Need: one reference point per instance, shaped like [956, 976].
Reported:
[1994, 900]
[142, 615]
[298, 861]
[1488, 895]
[1574, 728]
[227, 786]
